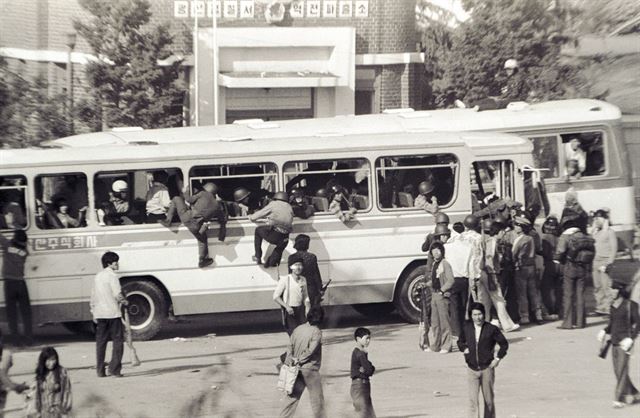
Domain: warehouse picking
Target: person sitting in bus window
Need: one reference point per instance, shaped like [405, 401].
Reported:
[157, 198]
[277, 220]
[13, 214]
[66, 220]
[576, 159]
[300, 205]
[340, 205]
[426, 199]
[116, 211]
[242, 197]
[204, 208]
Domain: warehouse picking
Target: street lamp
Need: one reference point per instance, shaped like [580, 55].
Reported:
[71, 44]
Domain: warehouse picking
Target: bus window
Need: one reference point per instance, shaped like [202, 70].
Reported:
[583, 154]
[399, 179]
[315, 178]
[491, 180]
[13, 202]
[61, 200]
[135, 196]
[545, 155]
[244, 188]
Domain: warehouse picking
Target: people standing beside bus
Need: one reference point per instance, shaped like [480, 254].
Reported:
[441, 283]
[292, 295]
[492, 269]
[361, 371]
[477, 342]
[551, 286]
[426, 198]
[442, 220]
[6, 384]
[622, 330]
[106, 298]
[339, 204]
[305, 351]
[575, 251]
[158, 199]
[606, 245]
[14, 257]
[525, 271]
[52, 394]
[310, 268]
[204, 208]
[277, 223]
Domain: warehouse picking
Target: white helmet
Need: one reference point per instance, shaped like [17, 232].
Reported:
[119, 186]
[510, 64]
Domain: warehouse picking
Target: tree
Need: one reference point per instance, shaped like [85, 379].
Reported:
[132, 88]
[529, 31]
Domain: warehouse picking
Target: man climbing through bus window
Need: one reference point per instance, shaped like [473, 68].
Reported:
[277, 220]
[204, 208]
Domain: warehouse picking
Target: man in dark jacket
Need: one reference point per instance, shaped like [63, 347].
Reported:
[204, 208]
[477, 341]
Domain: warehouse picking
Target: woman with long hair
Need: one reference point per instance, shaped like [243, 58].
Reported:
[52, 395]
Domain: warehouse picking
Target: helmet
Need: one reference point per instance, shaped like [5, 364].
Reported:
[297, 192]
[442, 230]
[321, 193]
[119, 186]
[337, 188]
[240, 194]
[471, 222]
[425, 187]
[442, 218]
[510, 64]
[281, 196]
[212, 186]
[487, 224]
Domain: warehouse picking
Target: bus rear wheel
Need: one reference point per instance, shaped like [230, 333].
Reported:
[408, 296]
[147, 308]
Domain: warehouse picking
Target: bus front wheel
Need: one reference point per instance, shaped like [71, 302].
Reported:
[147, 308]
[407, 296]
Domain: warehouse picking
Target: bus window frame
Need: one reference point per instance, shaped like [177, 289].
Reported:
[275, 174]
[27, 206]
[337, 160]
[456, 181]
[61, 174]
[512, 174]
[560, 158]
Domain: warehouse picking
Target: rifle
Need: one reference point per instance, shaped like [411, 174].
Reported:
[135, 361]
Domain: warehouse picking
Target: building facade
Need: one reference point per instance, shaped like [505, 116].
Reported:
[275, 59]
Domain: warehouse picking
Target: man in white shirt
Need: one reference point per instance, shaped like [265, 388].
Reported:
[106, 298]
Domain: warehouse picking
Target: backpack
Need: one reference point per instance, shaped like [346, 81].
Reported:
[581, 249]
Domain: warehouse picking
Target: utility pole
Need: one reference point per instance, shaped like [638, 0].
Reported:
[71, 44]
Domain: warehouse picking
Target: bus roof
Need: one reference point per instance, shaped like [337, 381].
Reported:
[518, 117]
[479, 143]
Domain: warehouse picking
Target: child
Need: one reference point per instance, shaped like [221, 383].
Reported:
[361, 371]
[339, 205]
[52, 395]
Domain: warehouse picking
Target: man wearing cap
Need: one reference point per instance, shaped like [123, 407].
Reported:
[524, 257]
[277, 220]
[606, 244]
[575, 251]
[204, 208]
[426, 199]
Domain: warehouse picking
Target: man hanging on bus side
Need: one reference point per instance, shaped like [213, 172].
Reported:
[277, 223]
[204, 208]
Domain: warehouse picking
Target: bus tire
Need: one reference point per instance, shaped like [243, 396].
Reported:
[407, 296]
[147, 308]
[84, 328]
[374, 310]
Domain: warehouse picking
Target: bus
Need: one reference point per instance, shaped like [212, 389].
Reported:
[596, 127]
[374, 261]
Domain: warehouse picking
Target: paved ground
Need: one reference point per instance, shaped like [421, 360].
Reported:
[547, 373]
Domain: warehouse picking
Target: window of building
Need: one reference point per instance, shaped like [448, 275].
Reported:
[583, 154]
[316, 180]
[13, 191]
[400, 178]
[244, 188]
[135, 196]
[545, 155]
[61, 200]
[491, 180]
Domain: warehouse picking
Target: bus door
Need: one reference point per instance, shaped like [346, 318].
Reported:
[491, 181]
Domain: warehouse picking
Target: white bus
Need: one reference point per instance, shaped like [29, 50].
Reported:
[605, 182]
[375, 259]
